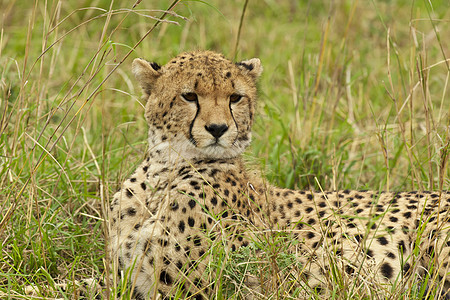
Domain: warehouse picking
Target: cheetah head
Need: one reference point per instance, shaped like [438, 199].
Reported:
[200, 104]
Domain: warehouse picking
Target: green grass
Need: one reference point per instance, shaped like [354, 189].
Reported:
[355, 93]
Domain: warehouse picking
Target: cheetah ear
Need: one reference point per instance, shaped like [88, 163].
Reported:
[146, 73]
[251, 67]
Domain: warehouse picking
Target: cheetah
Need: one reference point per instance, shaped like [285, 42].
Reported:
[193, 189]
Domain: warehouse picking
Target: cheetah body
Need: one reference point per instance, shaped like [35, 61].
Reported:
[194, 190]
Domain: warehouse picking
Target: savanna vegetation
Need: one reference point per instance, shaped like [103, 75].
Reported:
[354, 94]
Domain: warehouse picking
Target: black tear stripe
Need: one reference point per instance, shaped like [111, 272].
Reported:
[191, 137]
[235, 123]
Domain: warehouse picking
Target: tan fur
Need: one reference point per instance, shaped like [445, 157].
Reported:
[193, 190]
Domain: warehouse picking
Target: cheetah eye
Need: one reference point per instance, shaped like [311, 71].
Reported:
[190, 97]
[235, 98]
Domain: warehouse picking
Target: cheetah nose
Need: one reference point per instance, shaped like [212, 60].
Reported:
[217, 130]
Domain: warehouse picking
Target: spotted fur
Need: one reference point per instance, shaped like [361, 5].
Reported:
[193, 189]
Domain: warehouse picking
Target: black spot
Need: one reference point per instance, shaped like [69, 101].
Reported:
[322, 204]
[181, 226]
[309, 196]
[192, 203]
[145, 168]
[165, 278]
[407, 214]
[191, 222]
[318, 289]
[359, 196]
[214, 200]
[143, 186]
[131, 211]
[390, 255]
[129, 193]
[166, 260]
[386, 270]
[228, 74]
[349, 269]
[309, 209]
[179, 265]
[311, 221]
[197, 240]
[351, 225]
[163, 242]
[393, 219]
[133, 179]
[310, 235]
[177, 247]
[382, 240]
[187, 251]
[401, 246]
[359, 237]
[138, 295]
[406, 267]
[213, 172]
[298, 200]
